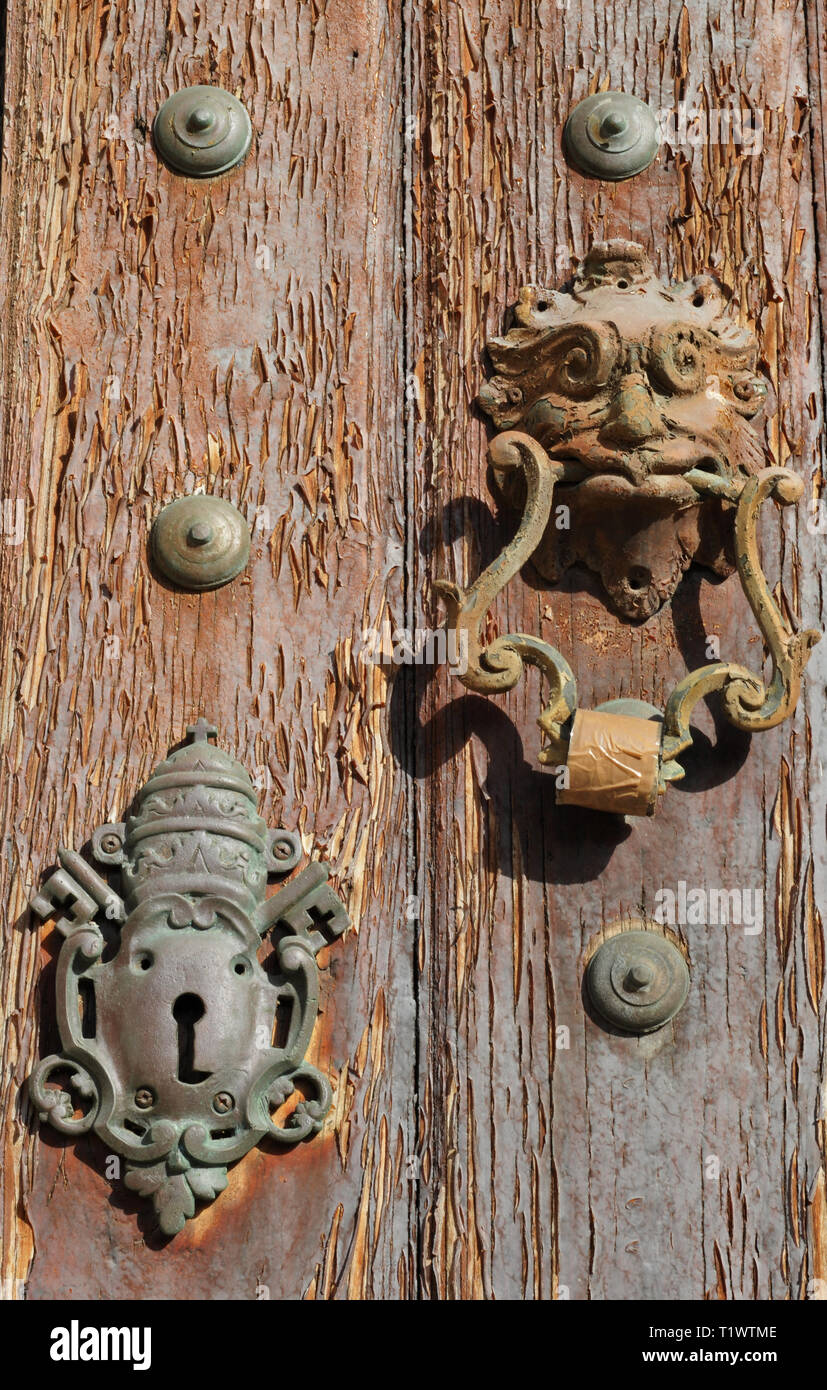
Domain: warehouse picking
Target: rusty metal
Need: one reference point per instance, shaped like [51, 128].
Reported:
[202, 131]
[166, 1016]
[636, 424]
[638, 979]
[611, 135]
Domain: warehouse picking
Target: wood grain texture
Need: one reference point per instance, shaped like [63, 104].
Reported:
[163, 335]
[304, 337]
[572, 1163]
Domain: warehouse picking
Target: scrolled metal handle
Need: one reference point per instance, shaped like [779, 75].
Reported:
[634, 395]
[748, 702]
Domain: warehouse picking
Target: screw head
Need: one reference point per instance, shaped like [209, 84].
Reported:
[202, 131]
[144, 1098]
[611, 135]
[200, 542]
[111, 843]
[285, 849]
[222, 1102]
[637, 980]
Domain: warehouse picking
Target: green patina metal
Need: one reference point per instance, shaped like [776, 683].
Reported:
[202, 131]
[638, 980]
[166, 1014]
[200, 542]
[611, 135]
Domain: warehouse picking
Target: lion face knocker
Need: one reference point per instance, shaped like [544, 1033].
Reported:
[628, 400]
[167, 1017]
[646, 387]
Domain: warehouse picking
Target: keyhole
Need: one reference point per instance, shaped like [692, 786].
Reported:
[186, 1011]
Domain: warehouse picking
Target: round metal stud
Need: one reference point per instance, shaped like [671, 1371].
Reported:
[200, 542]
[637, 980]
[202, 132]
[611, 135]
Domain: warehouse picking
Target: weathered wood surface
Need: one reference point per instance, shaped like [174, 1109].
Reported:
[304, 337]
[583, 1171]
[161, 335]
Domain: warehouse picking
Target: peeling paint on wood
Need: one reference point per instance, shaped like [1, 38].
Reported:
[161, 336]
[303, 337]
[591, 1166]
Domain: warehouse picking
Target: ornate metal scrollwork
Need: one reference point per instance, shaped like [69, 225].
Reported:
[627, 400]
[179, 1046]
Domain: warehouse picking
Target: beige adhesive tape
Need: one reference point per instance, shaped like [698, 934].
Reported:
[612, 763]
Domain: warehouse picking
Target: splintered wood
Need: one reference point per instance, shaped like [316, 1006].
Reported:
[304, 338]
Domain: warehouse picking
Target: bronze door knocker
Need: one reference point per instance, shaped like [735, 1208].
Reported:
[629, 399]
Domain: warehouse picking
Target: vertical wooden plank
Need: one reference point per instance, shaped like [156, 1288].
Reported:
[239, 336]
[812, 538]
[572, 1163]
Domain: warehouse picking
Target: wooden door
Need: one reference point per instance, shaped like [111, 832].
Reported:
[304, 337]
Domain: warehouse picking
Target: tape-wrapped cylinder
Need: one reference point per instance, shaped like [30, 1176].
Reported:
[612, 763]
